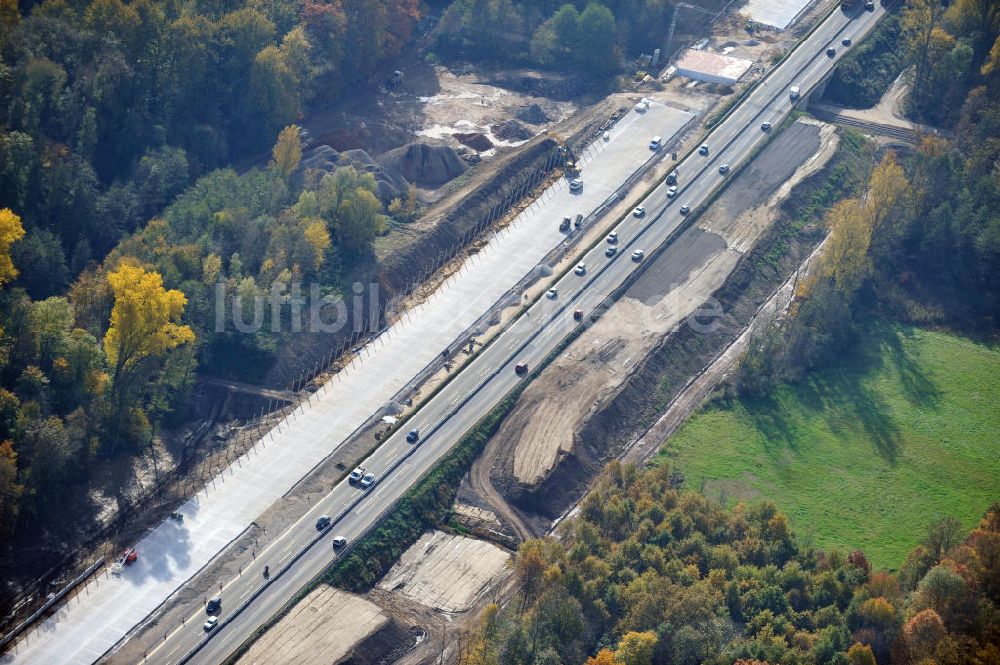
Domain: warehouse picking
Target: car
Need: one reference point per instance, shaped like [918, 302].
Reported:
[870, 6]
[322, 522]
[356, 474]
[367, 481]
[655, 143]
[846, 41]
[521, 369]
[210, 624]
[685, 210]
[575, 185]
[724, 169]
[552, 294]
[672, 177]
[612, 237]
[765, 126]
[610, 251]
[606, 136]
[413, 435]
[703, 150]
[339, 542]
[214, 606]
[578, 315]
[581, 269]
[637, 255]
[639, 211]
[672, 191]
[830, 52]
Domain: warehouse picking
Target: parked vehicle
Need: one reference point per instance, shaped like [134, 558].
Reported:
[575, 185]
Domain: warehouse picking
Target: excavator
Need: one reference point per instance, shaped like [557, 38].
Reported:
[569, 158]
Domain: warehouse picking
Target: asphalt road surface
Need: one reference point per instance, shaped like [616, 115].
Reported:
[489, 377]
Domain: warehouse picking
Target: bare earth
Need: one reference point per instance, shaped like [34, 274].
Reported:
[447, 573]
[543, 424]
[323, 628]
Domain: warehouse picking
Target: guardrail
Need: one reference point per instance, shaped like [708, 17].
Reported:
[51, 601]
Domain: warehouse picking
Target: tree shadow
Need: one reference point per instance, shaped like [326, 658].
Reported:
[844, 397]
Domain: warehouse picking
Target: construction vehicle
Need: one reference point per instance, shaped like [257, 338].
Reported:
[568, 157]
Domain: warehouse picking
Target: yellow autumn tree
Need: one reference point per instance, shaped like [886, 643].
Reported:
[636, 648]
[10, 232]
[318, 237]
[287, 151]
[143, 320]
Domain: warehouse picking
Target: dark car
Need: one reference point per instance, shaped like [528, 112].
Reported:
[830, 52]
[214, 606]
[685, 210]
[413, 436]
[322, 522]
[578, 315]
[521, 369]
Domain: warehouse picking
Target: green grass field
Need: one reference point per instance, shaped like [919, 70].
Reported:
[866, 454]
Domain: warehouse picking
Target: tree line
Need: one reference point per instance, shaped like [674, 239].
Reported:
[648, 573]
[591, 36]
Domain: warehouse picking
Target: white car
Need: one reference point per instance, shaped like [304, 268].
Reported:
[551, 294]
[211, 624]
[367, 481]
[639, 211]
[339, 542]
[581, 269]
[765, 126]
[637, 255]
[575, 185]
[672, 191]
[356, 475]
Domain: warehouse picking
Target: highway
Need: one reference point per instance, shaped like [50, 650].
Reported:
[300, 552]
[491, 376]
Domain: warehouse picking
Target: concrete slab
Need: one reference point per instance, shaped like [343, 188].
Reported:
[775, 13]
[445, 572]
[323, 628]
[95, 620]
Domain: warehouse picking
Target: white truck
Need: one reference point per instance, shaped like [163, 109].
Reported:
[793, 92]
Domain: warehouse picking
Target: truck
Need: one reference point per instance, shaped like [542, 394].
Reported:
[793, 92]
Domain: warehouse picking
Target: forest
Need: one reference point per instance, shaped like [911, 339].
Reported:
[648, 573]
[922, 244]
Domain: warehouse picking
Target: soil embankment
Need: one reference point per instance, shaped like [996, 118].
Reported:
[614, 380]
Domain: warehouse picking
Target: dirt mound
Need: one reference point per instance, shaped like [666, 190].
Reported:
[390, 183]
[533, 114]
[475, 140]
[511, 130]
[423, 164]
